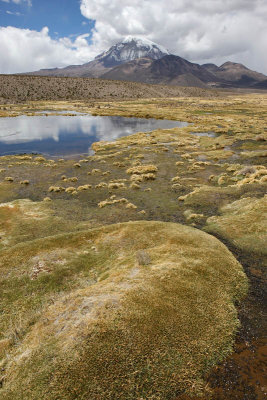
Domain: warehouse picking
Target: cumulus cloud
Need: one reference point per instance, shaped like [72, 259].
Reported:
[199, 30]
[39, 50]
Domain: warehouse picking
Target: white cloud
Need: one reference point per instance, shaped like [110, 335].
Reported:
[27, 50]
[18, 14]
[200, 30]
[29, 2]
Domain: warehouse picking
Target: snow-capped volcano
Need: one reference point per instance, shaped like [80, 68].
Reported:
[130, 49]
[141, 60]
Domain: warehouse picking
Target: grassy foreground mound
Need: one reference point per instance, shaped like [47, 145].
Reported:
[242, 223]
[138, 310]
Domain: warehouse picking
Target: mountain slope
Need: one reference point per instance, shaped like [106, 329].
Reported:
[170, 70]
[92, 69]
[261, 85]
[213, 68]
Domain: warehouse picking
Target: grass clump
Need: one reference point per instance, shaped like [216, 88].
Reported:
[101, 185]
[56, 189]
[142, 169]
[131, 206]
[39, 159]
[134, 185]
[143, 177]
[70, 189]
[83, 187]
[9, 179]
[116, 185]
[111, 201]
[73, 179]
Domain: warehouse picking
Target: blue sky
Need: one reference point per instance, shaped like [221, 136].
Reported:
[62, 17]
[37, 34]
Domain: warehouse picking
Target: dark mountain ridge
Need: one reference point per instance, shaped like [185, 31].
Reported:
[170, 70]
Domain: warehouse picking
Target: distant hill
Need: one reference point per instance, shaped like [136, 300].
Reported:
[234, 74]
[21, 88]
[141, 60]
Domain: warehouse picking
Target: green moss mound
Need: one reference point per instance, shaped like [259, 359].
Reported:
[139, 310]
[243, 224]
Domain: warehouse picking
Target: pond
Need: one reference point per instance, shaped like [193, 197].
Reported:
[63, 135]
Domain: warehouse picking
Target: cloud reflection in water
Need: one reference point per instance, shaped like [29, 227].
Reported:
[65, 135]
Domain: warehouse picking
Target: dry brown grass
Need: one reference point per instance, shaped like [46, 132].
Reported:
[142, 169]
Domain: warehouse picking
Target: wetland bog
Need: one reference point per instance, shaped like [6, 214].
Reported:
[100, 249]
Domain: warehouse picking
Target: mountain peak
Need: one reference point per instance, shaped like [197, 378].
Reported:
[142, 42]
[230, 64]
[130, 49]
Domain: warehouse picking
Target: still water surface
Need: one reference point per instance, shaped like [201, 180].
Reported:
[69, 135]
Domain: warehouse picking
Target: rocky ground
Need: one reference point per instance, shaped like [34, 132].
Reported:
[116, 275]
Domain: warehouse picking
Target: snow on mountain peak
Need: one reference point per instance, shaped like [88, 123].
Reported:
[142, 42]
[131, 48]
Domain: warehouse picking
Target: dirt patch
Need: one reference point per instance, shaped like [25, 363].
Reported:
[44, 263]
